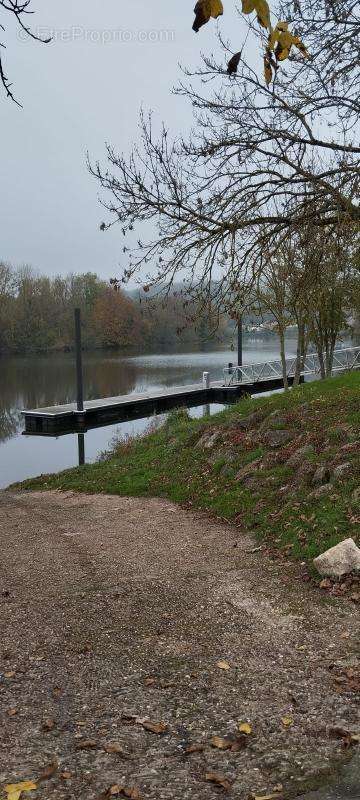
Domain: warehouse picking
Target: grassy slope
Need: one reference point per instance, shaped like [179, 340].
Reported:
[279, 505]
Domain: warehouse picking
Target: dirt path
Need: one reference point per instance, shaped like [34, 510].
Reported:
[115, 611]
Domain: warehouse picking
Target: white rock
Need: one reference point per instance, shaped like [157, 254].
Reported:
[339, 560]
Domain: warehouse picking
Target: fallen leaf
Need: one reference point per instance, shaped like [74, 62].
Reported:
[86, 744]
[346, 737]
[114, 747]
[221, 744]
[223, 665]
[246, 728]
[11, 712]
[266, 796]
[240, 743]
[49, 771]
[123, 791]
[86, 648]
[150, 681]
[287, 722]
[57, 692]
[345, 635]
[337, 732]
[15, 790]
[219, 780]
[165, 684]
[48, 725]
[65, 776]
[9, 675]
[325, 584]
[154, 727]
[128, 719]
[195, 748]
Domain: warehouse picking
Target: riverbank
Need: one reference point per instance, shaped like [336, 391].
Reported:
[150, 652]
[285, 467]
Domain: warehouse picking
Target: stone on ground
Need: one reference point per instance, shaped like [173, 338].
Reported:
[339, 560]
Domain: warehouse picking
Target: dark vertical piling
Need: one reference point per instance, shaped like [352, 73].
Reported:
[79, 368]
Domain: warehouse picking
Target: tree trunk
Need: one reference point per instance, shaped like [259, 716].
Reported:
[330, 356]
[300, 353]
[321, 361]
[283, 359]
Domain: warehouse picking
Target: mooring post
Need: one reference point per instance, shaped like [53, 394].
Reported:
[79, 369]
[240, 341]
[206, 380]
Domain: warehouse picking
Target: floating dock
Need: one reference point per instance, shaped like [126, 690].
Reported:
[60, 420]
[238, 381]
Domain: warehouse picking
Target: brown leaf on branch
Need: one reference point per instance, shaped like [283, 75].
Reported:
[204, 10]
[248, 6]
[263, 13]
[281, 41]
[233, 64]
[268, 74]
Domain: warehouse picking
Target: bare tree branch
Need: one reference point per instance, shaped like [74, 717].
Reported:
[20, 10]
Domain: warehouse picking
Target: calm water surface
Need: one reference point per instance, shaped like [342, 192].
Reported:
[37, 381]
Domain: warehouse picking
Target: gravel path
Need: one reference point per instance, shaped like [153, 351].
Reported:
[116, 612]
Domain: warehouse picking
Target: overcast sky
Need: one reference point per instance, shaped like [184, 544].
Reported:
[107, 60]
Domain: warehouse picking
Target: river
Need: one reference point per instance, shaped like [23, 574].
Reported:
[35, 381]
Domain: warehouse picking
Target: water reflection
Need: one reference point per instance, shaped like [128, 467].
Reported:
[81, 449]
[37, 381]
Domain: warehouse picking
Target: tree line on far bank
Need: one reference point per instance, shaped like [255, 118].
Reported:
[37, 315]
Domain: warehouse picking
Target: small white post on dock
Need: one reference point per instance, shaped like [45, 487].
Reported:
[206, 380]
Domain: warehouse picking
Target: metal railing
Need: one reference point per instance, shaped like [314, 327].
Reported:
[345, 359]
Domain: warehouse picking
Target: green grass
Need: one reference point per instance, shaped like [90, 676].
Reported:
[169, 463]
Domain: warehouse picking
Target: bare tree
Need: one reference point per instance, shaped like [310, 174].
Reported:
[262, 161]
[19, 10]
